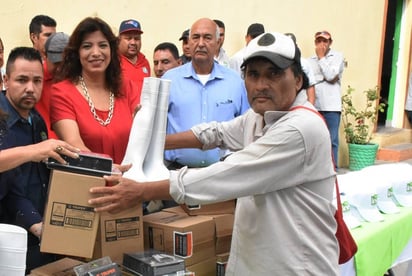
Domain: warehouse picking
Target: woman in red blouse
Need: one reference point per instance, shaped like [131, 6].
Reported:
[91, 107]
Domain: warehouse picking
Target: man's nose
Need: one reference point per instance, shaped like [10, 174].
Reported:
[30, 87]
[262, 83]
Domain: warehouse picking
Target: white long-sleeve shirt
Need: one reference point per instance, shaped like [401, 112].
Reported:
[326, 69]
[282, 176]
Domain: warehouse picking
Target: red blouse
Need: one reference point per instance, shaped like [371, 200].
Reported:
[68, 103]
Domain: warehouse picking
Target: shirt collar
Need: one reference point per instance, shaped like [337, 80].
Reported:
[272, 116]
[217, 71]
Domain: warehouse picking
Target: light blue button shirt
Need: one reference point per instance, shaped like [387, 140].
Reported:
[222, 98]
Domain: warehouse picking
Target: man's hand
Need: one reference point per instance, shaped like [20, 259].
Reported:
[37, 229]
[127, 193]
[321, 50]
[51, 148]
[124, 194]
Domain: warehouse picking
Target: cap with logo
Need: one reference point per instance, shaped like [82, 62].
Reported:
[401, 177]
[379, 177]
[276, 47]
[130, 25]
[351, 220]
[323, 34]
[366, 203]
[55, 45]
[361, 195]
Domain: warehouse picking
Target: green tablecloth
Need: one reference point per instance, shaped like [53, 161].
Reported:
[381, 243]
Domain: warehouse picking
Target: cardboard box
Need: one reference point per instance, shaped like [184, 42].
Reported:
[189, 237]
[225, 207]
[223, 228]
[119, 233]
[63, 267]
[204, 268]
[70, 223]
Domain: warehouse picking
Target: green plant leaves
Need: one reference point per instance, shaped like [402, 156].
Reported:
[358, 122]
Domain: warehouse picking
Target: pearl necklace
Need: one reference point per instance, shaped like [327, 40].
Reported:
[91, 105]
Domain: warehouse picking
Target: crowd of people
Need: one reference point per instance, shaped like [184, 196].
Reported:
[237, 128]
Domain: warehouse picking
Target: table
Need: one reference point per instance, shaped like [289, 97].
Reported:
[381, 245]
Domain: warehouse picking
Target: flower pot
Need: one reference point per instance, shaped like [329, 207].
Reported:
[361, 156]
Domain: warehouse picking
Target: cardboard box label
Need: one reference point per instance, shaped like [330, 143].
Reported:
[71, 215]
[122, 228]
[183, 244]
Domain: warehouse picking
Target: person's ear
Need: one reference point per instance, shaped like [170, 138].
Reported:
[299, 82]
[33, 37]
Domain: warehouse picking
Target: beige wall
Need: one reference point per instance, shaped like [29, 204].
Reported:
[356, 26]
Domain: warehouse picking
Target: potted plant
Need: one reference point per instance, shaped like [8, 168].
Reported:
[358, 126]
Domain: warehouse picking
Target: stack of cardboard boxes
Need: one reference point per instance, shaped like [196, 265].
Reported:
[200, 235]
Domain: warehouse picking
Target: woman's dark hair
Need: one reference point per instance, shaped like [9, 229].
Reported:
[71, 67]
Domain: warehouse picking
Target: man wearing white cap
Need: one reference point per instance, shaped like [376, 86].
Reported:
[280, 171]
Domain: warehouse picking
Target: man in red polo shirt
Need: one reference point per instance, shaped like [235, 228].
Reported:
[134, 64]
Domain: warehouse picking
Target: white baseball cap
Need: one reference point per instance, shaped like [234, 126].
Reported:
[348, 185]
[350, 220]
[361, 195]
[278, 48]
[401, 177]
[379, 177]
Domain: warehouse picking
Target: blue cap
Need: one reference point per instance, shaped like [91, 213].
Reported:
[130, 25]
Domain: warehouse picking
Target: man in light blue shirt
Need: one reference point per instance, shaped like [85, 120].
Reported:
[202, 91]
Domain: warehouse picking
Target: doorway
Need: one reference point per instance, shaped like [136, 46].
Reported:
[388, 74]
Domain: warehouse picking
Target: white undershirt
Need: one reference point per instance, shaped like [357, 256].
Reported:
[203, 78]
